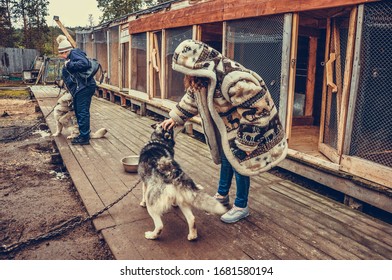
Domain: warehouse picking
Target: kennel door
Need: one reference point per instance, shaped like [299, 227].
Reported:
[339, 49]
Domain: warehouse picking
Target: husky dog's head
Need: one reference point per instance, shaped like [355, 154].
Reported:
[162, 134]
[59, 83]
[65, 100]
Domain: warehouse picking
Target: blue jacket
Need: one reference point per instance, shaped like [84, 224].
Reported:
[78, 62]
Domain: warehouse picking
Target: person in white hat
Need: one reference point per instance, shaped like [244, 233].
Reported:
[81, 89]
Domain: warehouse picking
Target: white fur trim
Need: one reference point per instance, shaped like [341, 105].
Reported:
[233, 78]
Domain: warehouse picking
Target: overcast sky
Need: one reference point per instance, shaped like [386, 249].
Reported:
[73, 13]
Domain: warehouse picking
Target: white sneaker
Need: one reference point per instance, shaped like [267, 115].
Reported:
[235, 214]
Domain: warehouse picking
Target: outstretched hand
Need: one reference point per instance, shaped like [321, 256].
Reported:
[168, 124]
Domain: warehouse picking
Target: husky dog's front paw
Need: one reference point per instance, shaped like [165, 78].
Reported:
[192, 236]
[150, 235]
[142, 203]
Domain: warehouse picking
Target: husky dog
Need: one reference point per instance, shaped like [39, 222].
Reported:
[64, 117]
[166, 184]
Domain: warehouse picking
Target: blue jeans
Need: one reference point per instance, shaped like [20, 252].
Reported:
[82, 103]
[242, 182]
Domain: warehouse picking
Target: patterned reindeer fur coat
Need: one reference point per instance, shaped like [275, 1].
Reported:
[237, 111]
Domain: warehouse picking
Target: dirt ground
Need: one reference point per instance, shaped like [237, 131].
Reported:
[36, 192]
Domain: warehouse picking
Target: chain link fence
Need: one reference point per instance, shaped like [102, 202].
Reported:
[139, 62]
[257, 44]
[175, 86]
[372, 126]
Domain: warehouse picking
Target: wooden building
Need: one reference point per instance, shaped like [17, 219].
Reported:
[327, 65]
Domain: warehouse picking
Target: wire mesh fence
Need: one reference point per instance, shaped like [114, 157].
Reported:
[372, 126]
[257, 44]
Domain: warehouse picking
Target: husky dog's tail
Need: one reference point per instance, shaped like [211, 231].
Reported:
[207, 203]
[99, 133]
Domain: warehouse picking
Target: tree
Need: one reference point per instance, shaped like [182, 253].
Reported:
[112, 9]
[35, 29]
[90, 20]
[6, 29]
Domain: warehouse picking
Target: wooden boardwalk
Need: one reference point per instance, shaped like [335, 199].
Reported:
[287, 221]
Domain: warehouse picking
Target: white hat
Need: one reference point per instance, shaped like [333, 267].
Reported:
[64, 44]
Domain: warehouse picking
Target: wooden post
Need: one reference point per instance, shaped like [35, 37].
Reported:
[65, 31]
[189, 128]
[292, 70]
[347, 79]
[338, 69]
[325, 87]
[311, 77]
[164, 68]
[143, 109]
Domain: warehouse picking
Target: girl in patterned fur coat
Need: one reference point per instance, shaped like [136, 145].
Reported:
[239, 119]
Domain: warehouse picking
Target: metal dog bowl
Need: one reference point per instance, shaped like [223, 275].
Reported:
[130, 163]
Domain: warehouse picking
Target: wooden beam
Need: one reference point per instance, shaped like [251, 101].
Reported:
[324, 94]
[223, 10]
[65, 31]
[347, 79]
[338, 68]
[163, 68]
[353, 187]
[151, 65]
[372, 171]
[234, 9]
[211, 11]
[293, 65]
[311, 77]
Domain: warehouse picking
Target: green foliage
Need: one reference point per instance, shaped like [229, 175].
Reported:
[29, 17]
[117, 8]
[16, 94]
[23, 24]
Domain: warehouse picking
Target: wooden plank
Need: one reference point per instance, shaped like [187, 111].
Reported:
[287, 215]
[164, 93]
[234, 9]
[285, 70]
[293, 67]
[366, 239]
[329, 152]
[366, 169]
[335, 210]
[347, 80]
[225, 10]
[324, 106]
[211, 11]
[338, 68]
[354, 80]
[311, 76]
[331, 224]
[344, 185]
